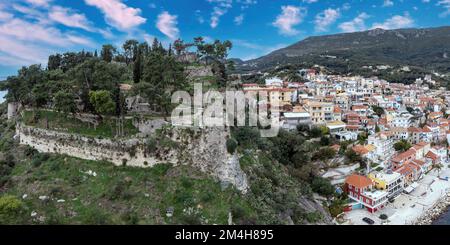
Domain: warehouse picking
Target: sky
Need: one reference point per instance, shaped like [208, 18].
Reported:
[30, 30]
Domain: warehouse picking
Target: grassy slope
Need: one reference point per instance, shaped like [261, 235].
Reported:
[117, 195]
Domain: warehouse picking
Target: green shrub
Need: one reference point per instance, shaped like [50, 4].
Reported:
[95, 217]
[324, 154]
[152, 145]
[30, 151]
[130, 218]
[238, 211]
[75, 180]
[313, 217]
[36, 162]
[161, 169]
[10, 207]
[315, 133]
[207, 196]
[246, 136]
[231, 145]
[191, 219]
[184, 198]
[336, 209]
[322, 186]
[186, 182]
[352, 156]
[119, 191]
[132, 151]
[325, 141]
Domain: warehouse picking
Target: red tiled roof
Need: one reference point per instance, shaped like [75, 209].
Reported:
[405, 170]
[336, 147]
[337, 109]
[402, 156]
[413, 165]
[359, 107]
[418, 162]
[414, 130]
[359, 149]
[432, 156]
[358, 181]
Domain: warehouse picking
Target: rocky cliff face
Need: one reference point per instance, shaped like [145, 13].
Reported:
[210, 155]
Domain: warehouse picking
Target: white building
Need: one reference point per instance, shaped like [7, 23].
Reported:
[384, 146]
[402, 121]
[392, 182]
[293, 119]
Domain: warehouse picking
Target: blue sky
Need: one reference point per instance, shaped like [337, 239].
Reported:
[30, 30]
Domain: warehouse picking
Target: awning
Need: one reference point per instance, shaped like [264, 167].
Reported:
[411, 188]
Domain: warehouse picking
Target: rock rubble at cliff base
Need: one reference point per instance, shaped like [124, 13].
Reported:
[433, 213]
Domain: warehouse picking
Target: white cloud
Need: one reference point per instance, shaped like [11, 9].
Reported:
[167, 24]
[310, 1]
[326, 18]
[23, 42]
[446, 5]
[32, 37]
[395, 22]
[39, 3]
[346, 6]
[199, 17]
[118, 14]
[238, 20]
[67, 17]
[5, 15]
[290, 17]
[357, 24]
[27, 31]
[221, 7]
[388, 3]
[14, 52]
[31, 13]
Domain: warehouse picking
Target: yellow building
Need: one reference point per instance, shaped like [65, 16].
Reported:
[391, 182]
[282, 96]
[320, 112]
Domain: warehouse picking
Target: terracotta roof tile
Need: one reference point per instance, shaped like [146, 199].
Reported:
[358, 181]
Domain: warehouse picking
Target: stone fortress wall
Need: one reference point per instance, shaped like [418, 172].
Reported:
[206, 151]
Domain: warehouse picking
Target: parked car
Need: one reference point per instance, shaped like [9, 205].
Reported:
[368, 221]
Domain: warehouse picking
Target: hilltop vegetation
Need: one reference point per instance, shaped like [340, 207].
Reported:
[91, 82]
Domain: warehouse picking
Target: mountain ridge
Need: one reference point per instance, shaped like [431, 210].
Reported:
[427, 48]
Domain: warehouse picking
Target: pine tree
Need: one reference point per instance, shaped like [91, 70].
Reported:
[137, 71]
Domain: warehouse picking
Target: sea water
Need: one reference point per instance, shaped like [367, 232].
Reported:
[444, 219]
